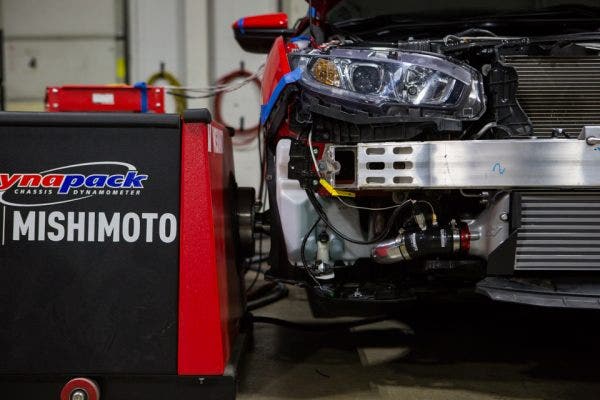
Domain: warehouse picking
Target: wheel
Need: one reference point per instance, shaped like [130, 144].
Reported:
[245, 220]
[80, 389]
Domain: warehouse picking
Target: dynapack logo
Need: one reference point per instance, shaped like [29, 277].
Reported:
[70, 183]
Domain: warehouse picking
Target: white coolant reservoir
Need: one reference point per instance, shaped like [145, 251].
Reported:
[297, 216]
[293, 205]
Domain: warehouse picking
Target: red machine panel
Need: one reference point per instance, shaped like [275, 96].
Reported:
[210, 305]
[105, 98]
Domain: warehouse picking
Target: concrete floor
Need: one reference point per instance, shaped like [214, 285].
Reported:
[464, 350]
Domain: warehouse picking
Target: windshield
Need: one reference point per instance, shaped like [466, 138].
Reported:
[360, 9]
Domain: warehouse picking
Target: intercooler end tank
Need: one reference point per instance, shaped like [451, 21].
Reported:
[409, 245]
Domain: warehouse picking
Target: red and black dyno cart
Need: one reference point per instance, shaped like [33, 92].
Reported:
[119, 257]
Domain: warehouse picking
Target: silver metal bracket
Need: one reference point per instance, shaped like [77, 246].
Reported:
[591, 135]
[470, 164]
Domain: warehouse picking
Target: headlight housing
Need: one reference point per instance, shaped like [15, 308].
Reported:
[389, 77]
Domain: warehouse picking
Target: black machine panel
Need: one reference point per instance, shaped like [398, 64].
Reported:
[89, 245]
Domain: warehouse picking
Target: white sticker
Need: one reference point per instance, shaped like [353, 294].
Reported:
[103, 98]
[217, 140]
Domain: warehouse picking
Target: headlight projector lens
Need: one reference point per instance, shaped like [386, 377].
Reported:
[366, 79]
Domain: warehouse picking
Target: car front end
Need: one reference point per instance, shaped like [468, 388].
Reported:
[412, 154]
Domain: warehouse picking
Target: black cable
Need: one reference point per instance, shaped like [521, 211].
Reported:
[471, 31]
[316, 327]
[251, 263]
[261, 291]
[187, 96]
[258, 271]
[262, 199]
[390, 223]
[262, 165]
[279, 292]
[303, 250]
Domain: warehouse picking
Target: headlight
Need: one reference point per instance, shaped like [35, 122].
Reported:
[326, 72]
[381, 76]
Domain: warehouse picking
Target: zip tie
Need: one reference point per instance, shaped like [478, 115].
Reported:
[333, 191]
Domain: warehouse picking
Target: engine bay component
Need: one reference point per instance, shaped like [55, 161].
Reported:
[478, 164]
[558, 92]
[293, 202]
[557, 231]
[422, 243]
[502, 81]
[391, 78]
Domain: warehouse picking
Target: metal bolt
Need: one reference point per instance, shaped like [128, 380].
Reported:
[316, 151]
[315, 182]
[504, 216]
[592, 141]
[79, 394]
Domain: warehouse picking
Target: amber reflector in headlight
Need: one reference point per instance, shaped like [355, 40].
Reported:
[326, 72]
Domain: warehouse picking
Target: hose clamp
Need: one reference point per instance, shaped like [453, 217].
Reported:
[455, 239]
[402, 247]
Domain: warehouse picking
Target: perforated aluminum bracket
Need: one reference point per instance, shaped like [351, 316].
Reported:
[530, 163]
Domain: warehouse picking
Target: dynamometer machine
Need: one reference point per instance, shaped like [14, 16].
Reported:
[119, 256]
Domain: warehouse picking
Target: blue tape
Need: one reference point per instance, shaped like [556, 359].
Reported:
[144, 96]
[290, 77]
[298, 38]
[312, 12]
[240, 25]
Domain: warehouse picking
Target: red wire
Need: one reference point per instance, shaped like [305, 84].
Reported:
[248, 133]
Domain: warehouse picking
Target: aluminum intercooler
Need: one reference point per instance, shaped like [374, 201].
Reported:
[559, 92]
[558, 231]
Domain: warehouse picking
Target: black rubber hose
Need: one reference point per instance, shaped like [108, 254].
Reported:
[261, 291]
[279, 292]
[316, 326]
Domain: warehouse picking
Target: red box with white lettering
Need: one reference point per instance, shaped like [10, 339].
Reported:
[105, 98]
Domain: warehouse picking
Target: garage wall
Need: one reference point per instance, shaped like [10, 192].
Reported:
[295, 9]
[59, 42]
[156, 35]
[243, 104]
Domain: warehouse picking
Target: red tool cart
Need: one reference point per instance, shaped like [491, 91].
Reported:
[120, 255]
